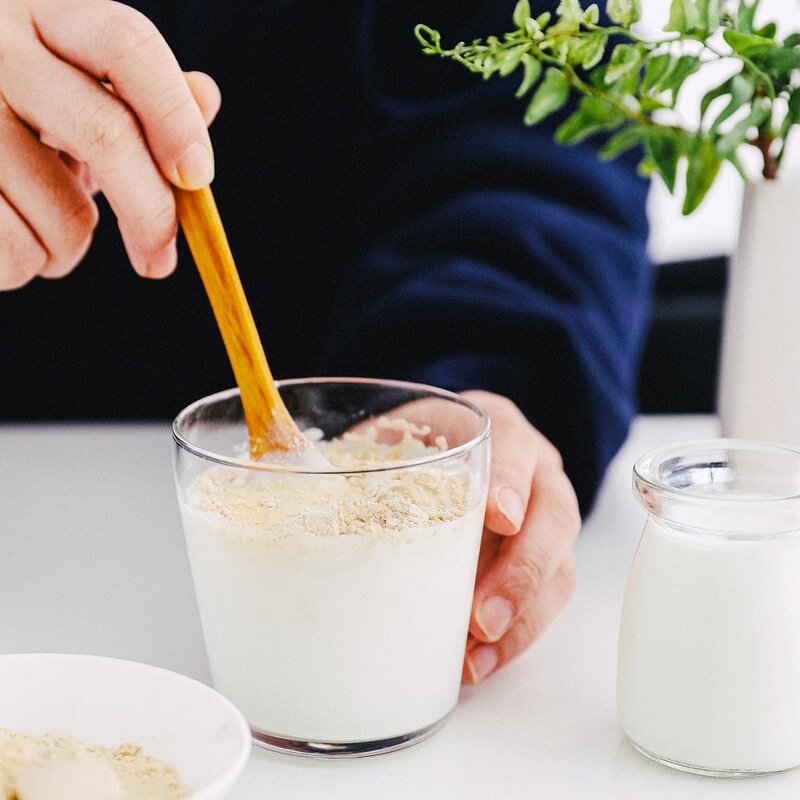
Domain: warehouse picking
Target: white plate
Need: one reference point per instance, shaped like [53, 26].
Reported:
[107, 701]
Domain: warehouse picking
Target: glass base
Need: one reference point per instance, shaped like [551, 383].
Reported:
[314, 749]
[715, 773]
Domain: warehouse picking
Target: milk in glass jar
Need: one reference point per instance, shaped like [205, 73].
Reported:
[709, 651]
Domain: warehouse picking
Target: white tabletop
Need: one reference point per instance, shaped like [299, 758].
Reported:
[93, 561]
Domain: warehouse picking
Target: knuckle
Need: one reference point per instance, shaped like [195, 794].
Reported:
[170, 107]
[157, 225]
[109, 128]
[526, 577]
[496, 404]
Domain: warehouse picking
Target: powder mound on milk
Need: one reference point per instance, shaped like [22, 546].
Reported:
[333, 505]
[59, 767]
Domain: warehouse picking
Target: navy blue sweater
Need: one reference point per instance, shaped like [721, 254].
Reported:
[390, 215]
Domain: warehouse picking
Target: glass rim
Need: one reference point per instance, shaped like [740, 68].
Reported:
[644, 472]
[433, 458]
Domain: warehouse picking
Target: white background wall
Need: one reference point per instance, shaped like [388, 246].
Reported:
[712, 229]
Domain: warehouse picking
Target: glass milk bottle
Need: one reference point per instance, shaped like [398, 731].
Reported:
[709, 651]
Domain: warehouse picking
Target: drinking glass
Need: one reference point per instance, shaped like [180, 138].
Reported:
[335, 641]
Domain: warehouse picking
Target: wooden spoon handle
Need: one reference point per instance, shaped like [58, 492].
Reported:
[269, 424]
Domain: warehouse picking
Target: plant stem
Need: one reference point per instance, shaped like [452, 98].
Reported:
[764, 142]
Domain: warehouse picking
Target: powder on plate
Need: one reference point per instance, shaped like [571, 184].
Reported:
[31, 765]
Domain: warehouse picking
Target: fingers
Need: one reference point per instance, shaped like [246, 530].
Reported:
[204, 90]
[124, 48]
[206, 94]
[508, 590]
[123, 138]
[21, 254]
[517, 449]
[483, 659]
[93, 126]
[59, 215]
[526, 568]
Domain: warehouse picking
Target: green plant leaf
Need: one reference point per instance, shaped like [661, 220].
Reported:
[745, 16]
[630, 136]
[747, 43]
[793, 40]
[570, 10]
[719, 91]
[734, 159]
[521, 13]
[768, 31]
[703, 165]
[792, 118]
[549, 97]
[586, 50]
[685, 66]
[683, 17]
[592, 116]
[650, 104]
[739, 88]
[532, 70]
[489, 66]
[665, 72]
[591, 16]
[780, 62]
[793, 111]
[570, 15]
[729, 141]
[624, 12]
[625, 58]
[656, 70]
[663, 149]
[594, 52]
[710, 12]
[512, 58]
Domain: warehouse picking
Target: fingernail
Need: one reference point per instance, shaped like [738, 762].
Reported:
[163, 262]
[494, 617]
[195, 167]
[482, 661]
[510, 505]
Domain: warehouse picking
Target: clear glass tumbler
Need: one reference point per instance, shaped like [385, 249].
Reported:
[335, 600]
[709, 650]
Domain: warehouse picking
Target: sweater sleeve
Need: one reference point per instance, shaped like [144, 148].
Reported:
[494, 258]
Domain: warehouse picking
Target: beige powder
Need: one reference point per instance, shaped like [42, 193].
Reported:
[128, 773]
[283, 505]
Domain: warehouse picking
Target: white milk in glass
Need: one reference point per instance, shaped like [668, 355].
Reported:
[709, 650]
[335, 604]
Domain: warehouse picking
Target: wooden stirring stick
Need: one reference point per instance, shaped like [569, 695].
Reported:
[269, 424]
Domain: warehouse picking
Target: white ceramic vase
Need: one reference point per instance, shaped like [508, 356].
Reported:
[759, 380]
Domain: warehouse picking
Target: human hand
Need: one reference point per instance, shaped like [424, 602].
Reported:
[91, 97]
[526, 569]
